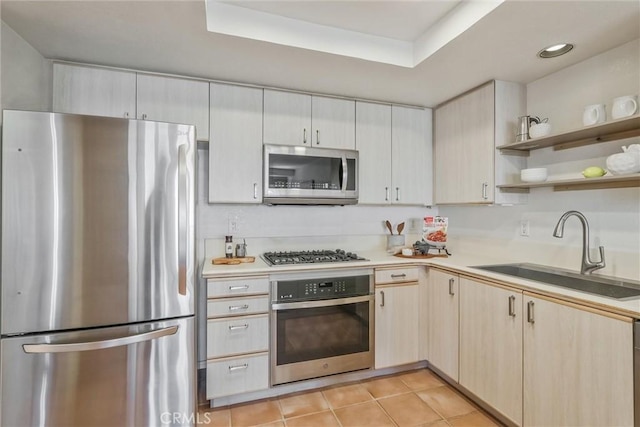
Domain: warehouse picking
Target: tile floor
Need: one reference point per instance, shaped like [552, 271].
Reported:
[415, 398]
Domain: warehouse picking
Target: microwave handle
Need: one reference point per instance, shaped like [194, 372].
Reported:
[345, 174]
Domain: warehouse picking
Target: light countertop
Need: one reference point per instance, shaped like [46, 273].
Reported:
[457, 263]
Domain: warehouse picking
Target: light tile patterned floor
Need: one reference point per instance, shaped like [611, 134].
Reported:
[415, 398]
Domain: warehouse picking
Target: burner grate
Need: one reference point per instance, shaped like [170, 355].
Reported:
[310, 257]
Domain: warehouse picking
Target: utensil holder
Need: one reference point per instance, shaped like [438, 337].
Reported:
[395, 240]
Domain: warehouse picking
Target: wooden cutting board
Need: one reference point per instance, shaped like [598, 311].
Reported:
[218, 261]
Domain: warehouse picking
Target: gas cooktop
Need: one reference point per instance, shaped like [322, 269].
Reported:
[310, 257]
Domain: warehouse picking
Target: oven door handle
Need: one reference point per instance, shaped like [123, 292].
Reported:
[320, 303]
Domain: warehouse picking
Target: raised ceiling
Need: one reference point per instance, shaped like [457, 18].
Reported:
[172, 37]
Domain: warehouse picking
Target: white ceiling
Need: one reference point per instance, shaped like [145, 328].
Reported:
[171, 37]
[399, 19]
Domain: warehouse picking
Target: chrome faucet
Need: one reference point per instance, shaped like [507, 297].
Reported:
[588, 266]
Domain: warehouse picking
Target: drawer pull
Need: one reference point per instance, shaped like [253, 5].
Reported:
[398, 276]
[236, 327]
[238, 307]
[239, 288]
[238, 367]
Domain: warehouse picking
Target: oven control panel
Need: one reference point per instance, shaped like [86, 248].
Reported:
[316, 289]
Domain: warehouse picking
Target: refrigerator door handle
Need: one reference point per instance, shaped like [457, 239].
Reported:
[98, 345]
[182, 220]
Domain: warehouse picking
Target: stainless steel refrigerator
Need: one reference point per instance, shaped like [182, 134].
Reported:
[97, 271]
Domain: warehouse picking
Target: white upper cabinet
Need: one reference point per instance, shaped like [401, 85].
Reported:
[373, 142]
[313, 121]
[467, 131]
[394, 146]
[411, 156]
[235, 144]
[287, 118]
[333, 123]
[175, 100]
[93, 91]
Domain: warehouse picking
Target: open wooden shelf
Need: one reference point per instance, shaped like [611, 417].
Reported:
[607, 181]
[627, 127]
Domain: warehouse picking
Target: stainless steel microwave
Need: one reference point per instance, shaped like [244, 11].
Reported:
[296, 175]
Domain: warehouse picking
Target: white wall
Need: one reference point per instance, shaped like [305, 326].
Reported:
[613, 214]
[25, 75]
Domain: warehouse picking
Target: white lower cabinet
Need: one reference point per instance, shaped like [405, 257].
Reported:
[396, 335]
[235, 375]
[491, 345]
[442, 321]
[536, 360]
[237, 336]
[578, 365]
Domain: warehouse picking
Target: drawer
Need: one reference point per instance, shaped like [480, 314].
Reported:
[231, 287]
[223, 307]
[397, 275]
[235, 375]
[237, 335]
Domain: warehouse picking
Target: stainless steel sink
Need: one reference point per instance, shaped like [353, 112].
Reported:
[599, 285]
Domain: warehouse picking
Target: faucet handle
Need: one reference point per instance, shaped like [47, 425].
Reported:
[601, 263]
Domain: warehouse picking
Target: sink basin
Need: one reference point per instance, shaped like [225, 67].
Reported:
[599, 285]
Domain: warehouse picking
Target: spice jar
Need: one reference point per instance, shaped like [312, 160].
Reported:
[228, 246]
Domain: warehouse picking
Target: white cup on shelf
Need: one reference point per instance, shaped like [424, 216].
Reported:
[624, 106]
[593, 114]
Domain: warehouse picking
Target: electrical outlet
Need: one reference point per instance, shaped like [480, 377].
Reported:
[524, 228]
[233, 225]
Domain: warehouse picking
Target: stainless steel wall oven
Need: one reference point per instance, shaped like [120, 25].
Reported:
[322, 324]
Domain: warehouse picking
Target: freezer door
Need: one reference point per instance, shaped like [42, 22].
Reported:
[97, 221]
[138, 375]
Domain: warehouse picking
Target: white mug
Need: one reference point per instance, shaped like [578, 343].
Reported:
[624, 106]
[593, 114]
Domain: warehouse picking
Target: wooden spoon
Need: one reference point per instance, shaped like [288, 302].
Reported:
[388, 224]
[400, 228]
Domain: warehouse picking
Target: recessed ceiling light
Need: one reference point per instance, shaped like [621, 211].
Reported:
[555, 50]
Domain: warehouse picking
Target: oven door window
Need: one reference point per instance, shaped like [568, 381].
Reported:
[320, 332]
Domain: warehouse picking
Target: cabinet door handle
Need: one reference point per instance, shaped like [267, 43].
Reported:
[255, 190]
[144, 116]
[238, 367]
[398, 276]
[512, 306]
[397, 194]
[386, 194]
[238, 307]
[381, 298]
[236, 327]
[239, 288]
[317, 137]
[530, 317]
[126, 114]
[304, 135]
[485, 186]
[451, 282]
